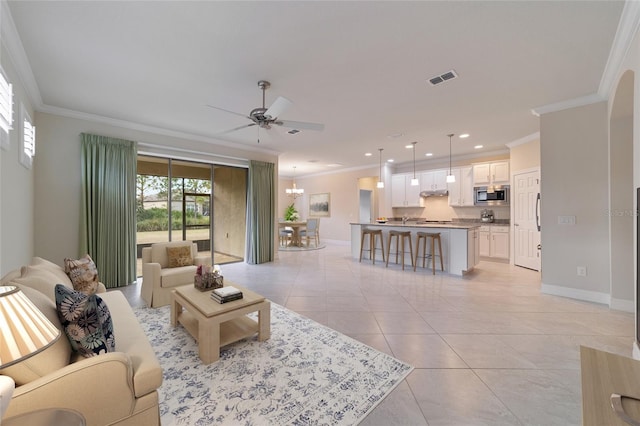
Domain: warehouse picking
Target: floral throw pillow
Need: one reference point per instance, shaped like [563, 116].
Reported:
[86, 321]
[179, 256]
[83, 274]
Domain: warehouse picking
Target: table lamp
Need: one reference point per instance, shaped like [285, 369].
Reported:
[24, 331]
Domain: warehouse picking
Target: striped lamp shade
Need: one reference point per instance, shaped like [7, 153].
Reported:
[24, 330]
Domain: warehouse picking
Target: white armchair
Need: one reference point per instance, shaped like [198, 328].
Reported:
[158, 279]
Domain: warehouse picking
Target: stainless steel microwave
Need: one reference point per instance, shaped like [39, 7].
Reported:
[491, 195]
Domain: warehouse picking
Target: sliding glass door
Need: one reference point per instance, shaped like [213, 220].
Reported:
[189, 201]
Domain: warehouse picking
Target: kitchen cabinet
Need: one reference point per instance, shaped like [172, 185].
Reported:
[435, 180]
[403, 194]
[473, 242]
[496, 173]
[494, 241]
[461, 191]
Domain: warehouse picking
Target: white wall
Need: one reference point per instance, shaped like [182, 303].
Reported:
[575, 182]
[58, 184]
[16, 186]
[344, 200]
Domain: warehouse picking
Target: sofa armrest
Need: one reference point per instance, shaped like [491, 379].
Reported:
[100, 387]
[101, 288]
[202, 260]
[150, 280]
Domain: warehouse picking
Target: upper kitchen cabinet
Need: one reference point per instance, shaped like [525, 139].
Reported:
[461, 191]
[496, 173]
[435, 180]
[403, 194]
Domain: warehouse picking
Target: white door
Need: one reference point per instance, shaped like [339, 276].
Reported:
[526, 201]
[365, 206]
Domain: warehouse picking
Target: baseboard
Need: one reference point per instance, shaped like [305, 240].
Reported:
[574, 293]
[337, 242]
[623, 305]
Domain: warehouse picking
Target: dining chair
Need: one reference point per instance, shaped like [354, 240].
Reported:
[311, 231]
[285, 233]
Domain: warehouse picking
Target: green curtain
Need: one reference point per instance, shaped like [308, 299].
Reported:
[108, 211]
[260, 213]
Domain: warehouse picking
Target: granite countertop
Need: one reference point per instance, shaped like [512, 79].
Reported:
[454, 224]
[411, 224]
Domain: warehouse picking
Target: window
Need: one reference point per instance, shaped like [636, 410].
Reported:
[6, 110]
[27, 139]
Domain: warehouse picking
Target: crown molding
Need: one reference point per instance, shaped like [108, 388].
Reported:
[13, 45]
[529, 138]
[130, 125]
[571, 103]
[627, 30]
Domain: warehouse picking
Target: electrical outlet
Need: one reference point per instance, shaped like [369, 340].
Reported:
[582, 271]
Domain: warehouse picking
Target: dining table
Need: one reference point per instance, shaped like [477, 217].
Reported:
[296, 227]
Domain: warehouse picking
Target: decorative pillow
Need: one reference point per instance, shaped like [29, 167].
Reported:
[86, 321]
[179, 256]
[83, 274]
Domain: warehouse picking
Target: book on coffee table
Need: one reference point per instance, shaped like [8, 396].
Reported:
[226, 298]
[226, 294]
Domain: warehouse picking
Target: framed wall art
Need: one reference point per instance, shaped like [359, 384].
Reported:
[319, 205]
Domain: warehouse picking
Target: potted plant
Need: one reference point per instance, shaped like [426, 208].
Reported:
[291, 214]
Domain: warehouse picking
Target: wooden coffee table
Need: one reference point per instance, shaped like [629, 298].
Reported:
[215, 324]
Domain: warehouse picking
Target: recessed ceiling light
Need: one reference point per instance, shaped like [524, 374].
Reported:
[429, 154]
[368, 154]
[334, 165]
[390, 160]
[478, 146]
[409, 146]
[293, 131]
[464, 135]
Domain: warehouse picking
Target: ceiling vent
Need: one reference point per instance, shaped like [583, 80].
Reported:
[449, 75]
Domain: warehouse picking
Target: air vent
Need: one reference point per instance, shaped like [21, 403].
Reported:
[293, 131]
[449, 75]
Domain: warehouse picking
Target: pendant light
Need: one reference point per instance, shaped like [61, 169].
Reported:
[414, 181]
[450, 177]
[380, 182]
[294, 192]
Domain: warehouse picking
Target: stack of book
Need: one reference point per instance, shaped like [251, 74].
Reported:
[226, 294]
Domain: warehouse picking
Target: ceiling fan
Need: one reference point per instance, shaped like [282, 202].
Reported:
[264, 117]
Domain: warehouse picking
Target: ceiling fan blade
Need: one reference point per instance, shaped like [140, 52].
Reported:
[278, 107]
[230, 112]
[300, 125]
[236, 128]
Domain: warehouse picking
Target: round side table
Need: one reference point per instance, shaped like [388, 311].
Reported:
[46, 417]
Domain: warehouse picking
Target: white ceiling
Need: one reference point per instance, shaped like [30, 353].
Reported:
[361, 68]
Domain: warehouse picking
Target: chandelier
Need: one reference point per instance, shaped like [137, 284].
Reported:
[294, 192]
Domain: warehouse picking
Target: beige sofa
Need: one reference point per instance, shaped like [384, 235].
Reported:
[117, 388]
[158, 280]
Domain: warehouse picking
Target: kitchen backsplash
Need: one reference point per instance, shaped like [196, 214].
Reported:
[437, 208]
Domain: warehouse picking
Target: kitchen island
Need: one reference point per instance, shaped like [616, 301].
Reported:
[459, 242]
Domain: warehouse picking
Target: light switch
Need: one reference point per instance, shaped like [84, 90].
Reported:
[566, 220]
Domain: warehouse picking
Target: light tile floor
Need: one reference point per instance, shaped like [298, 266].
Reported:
[488, 349]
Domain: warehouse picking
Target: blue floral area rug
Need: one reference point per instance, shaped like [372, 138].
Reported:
[305, 374]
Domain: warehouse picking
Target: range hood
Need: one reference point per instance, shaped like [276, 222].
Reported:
[434, 193]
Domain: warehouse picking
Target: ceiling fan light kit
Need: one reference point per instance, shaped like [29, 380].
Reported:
[264, 117]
